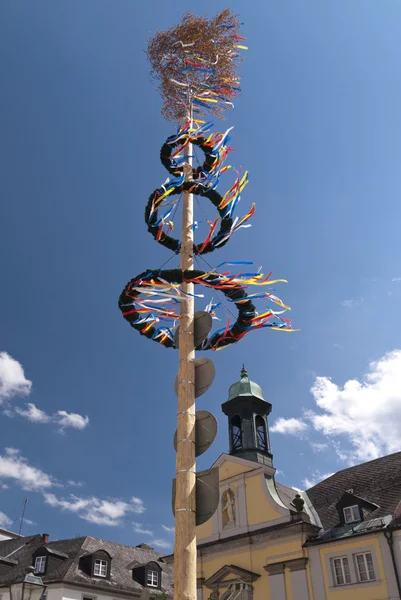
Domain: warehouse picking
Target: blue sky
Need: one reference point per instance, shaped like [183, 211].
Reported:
[318, 128]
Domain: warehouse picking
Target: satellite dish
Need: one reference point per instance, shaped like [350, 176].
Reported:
[205, 431]
[207, 494]
[202, 325]
[204, 375]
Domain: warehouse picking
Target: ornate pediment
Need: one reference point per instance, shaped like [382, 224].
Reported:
[228, 575]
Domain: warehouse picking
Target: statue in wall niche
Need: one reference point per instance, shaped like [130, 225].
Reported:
[228, 508]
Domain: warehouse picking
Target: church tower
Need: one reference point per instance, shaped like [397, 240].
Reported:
[247, 413]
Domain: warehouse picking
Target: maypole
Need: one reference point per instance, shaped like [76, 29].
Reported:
[195, 64]
[185, 502]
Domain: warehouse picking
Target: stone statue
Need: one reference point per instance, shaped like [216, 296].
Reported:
[228, 508]
[298, 503]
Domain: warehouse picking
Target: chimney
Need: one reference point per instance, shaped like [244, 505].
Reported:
[45, 537]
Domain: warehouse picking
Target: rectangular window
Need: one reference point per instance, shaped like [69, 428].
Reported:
[152, 578]
[351, 514]
[100, 568]
[341, 571]
[88, 597]
[366, 571]
[40, 564]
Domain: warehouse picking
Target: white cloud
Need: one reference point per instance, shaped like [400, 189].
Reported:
[73, 483]
[139, 529]
[34, 414]
[12, 378]
[289, 426]
[316, 447]
[316, 477]
[14, 383]
[94, 510]
[138, 506]
[65, 419]
[61, 418]
[366, 413]
[168, 529]
[162, 544]
[352, 303]
[14, 466]
[5, 522]
[29, 522]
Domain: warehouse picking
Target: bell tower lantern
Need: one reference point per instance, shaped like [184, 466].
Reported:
[247, 413]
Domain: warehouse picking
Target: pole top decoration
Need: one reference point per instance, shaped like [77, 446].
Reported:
[195, 64]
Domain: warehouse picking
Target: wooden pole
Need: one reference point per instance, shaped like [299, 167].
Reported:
[185, 502]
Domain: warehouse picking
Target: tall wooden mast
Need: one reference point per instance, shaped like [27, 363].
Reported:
[185, 506]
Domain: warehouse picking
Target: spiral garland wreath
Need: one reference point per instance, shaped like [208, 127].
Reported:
[151, 218]
[154, 296]
[203, 183]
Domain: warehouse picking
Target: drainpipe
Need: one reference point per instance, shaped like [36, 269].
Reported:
[388, 534]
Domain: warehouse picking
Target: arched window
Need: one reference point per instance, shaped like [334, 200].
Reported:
[236, 433]
[261, 437]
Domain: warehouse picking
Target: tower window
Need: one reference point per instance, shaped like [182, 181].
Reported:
[261, 436]
[236, 433]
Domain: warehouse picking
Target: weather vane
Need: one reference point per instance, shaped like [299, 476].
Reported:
[195, 64]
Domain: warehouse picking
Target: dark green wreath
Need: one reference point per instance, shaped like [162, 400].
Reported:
[167, 162]
[246, 310]
[172, 243]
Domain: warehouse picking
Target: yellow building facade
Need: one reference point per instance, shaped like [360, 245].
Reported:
[337, 541]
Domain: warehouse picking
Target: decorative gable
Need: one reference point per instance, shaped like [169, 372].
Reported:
[230, 576]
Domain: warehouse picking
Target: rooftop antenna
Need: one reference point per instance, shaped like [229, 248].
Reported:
[23, 516]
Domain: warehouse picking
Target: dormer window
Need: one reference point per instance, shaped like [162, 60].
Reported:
[148, 574]
[351, 514]
[40, 564]
[96, 564]
[152, 578]
[100, 567]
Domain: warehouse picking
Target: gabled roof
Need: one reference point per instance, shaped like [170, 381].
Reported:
[68, 571]
[377, 481]
[349, 498]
